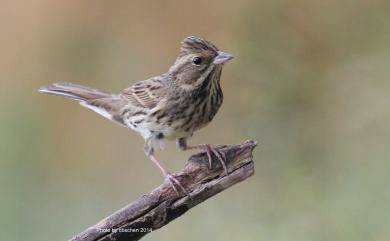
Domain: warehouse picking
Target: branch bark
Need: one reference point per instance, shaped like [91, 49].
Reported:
[163, 204]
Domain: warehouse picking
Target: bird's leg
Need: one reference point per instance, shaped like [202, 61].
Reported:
[150, 153]
[182, 144]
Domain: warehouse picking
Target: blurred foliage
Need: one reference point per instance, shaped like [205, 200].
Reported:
[310, 82]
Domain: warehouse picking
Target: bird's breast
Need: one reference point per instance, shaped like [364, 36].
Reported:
[186, 114]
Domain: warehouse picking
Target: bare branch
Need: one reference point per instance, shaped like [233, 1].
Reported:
[163, 204]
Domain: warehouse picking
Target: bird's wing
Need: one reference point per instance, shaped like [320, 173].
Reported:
[146, 93]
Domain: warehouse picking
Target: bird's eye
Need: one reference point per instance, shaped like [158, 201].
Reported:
[197, 60]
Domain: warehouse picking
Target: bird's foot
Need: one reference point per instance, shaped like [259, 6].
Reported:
[219, 154]
[172, 180]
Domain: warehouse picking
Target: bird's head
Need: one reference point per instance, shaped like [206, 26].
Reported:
[197, 59]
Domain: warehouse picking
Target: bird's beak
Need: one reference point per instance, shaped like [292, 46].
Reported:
[222, 57]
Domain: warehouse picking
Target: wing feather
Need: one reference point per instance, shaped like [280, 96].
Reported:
[145, 94]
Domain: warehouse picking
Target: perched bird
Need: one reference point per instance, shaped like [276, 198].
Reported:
[171, 106]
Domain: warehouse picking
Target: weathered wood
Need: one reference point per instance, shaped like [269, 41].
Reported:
[163, 204]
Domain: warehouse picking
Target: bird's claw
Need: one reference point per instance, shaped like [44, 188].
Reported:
[172, 180]
[220, 156]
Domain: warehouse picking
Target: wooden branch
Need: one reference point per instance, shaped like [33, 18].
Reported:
[163, 204]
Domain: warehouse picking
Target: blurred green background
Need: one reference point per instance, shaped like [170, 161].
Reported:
[309, 82]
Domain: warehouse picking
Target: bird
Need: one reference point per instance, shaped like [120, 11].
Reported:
[170, 106]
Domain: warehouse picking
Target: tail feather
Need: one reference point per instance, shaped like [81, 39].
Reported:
[73, 91]
[102, 103]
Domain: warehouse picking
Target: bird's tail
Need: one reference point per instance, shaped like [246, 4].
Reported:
[73, 91]
[102, 103]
